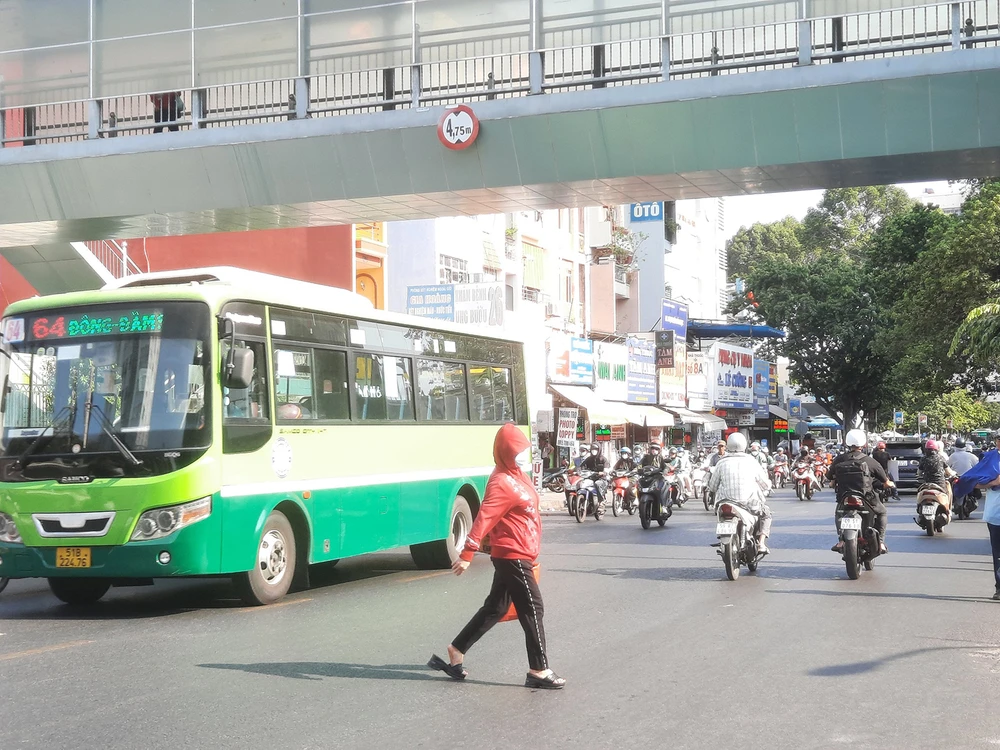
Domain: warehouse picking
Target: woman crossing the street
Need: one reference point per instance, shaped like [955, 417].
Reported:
[510, 516]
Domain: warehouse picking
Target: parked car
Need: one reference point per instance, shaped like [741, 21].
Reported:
[905, 453]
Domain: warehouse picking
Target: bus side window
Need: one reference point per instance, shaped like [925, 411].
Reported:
[293, 396]
[332, 390]
[246, 424]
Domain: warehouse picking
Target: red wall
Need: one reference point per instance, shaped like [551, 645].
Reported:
[13, 286]
[322, 255]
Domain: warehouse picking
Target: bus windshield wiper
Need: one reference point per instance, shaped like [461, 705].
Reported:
[34, 444]
[108, 429]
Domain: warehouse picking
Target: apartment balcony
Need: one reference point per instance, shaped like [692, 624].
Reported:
[622, 282]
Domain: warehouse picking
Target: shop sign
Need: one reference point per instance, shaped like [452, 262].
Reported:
[602, 433]
[611, 362]
[641, 371]
[618, 432]
[566, 435]
[480, 304]
[794, 407]
[780, 426]
[664, 349]
[772, 383]
[673, 380]
[732, 376]
[436, 301]
[761, 388]
[697, 382]
[746, 419]
[581, 361]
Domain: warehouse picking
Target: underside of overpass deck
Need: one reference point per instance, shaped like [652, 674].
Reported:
[874, 122]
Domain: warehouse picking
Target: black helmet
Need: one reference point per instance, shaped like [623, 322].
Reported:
[959, 442]
[595, 447]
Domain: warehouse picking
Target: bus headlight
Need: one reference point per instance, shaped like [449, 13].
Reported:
[8, 530]
[160, 522]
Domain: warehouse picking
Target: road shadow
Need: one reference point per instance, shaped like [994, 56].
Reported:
[888, 595]
[177, 596]
[863, 667]
[317, 670]
[776, 571]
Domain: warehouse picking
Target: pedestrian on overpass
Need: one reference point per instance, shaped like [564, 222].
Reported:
[510, 515]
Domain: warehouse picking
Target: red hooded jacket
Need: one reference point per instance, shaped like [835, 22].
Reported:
[510, 512]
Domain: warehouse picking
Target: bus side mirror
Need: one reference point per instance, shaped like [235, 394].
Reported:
[239, 369]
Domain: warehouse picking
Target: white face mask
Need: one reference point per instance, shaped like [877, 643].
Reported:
[523, 460]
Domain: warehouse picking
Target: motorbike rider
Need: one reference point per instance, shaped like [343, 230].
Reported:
[758, 454]
[625, 461]
[654, 459]
[596, 462]
[881, 455]
[739, 478]
[720, 452]
[960, 462]
[781, 458]
[848, 477]
[933, 468]
[806, 459]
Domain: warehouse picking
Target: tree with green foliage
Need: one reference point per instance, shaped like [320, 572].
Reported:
[751, 245]
[828, 310]
[846, 217]
[958, 405]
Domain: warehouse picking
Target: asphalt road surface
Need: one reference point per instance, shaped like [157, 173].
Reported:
[656, 645]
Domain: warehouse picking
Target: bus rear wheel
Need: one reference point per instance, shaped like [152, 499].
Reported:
[79, 591]
[442, 553]
[271, 577]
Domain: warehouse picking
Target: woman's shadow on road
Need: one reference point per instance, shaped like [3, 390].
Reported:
[317, 670]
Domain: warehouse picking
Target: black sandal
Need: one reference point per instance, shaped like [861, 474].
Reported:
[454, 671]
[550, 682]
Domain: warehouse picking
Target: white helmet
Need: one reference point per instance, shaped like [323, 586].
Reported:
[856, 439]
[736, 443]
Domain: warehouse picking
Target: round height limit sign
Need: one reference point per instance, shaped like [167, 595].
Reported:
[459, 127]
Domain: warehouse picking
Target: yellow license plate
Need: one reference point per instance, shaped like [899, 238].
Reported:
[72, 557]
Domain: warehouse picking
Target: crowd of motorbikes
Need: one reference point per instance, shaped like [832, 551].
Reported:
[654, 494]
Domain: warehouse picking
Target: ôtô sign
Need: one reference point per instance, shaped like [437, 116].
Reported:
[459, 127]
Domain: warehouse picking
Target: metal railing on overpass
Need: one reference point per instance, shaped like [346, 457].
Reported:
[649, 45]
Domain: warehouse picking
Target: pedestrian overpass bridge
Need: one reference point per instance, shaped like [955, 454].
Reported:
[654, 102]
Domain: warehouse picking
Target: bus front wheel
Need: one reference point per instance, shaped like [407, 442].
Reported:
[271, 577]
[79, 591]
[442, 553]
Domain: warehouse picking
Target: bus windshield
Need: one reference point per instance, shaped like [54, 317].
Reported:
[93, 380]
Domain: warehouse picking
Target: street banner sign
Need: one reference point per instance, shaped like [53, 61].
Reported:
[922, 419]
[566, 435]
[898, 418]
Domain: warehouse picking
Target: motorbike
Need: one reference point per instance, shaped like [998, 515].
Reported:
[933, 509]
[572, 480]
[803, 475]
[555, 480]
[706, 495]
[963, 506]
[737, 530]
[653, 502]
[779, 476]
[699, 483]
[588, 500]
[819, 469]
[860, 537]
[675, 489]
[623, 498]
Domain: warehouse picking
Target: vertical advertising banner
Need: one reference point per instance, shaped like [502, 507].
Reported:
[641, 371]
[611, 362]
[566, 434]
[761, 388]
[698, 396]
[732, 373]
[772, 383]
[673, 380]
[581, 361]
[794, 408]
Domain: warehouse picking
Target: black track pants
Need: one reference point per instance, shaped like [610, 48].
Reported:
[514, 582]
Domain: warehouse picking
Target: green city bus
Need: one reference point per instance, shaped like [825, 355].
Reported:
[228, 423]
